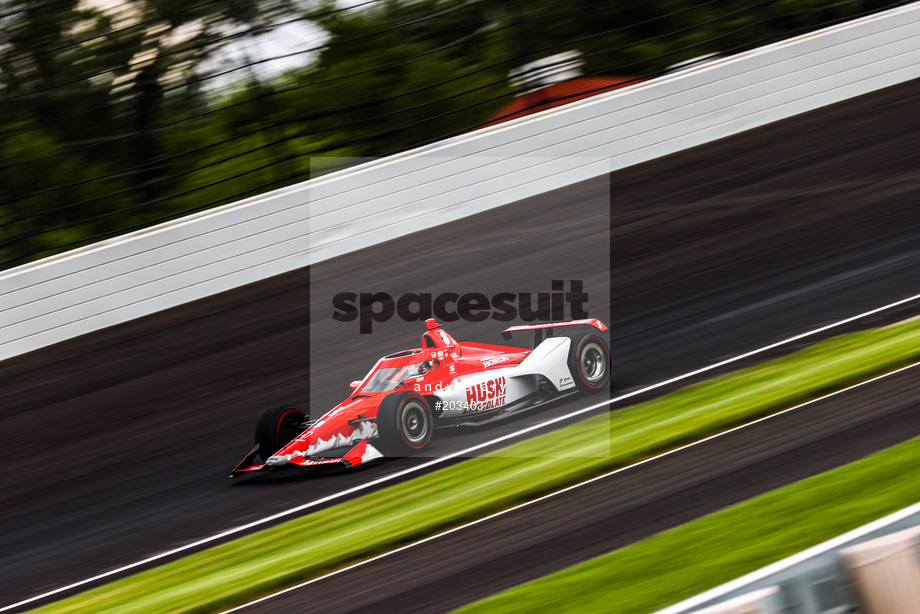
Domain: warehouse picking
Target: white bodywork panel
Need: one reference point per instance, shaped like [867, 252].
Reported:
[550, 360]
[479, 392]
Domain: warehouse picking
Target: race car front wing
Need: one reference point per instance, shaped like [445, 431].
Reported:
[363, 452]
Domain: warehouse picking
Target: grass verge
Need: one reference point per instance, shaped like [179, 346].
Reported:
[702, 554]
[283, 555]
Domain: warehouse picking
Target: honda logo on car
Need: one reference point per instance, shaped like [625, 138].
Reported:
[487, 394]
[488, 362]
[370, 307]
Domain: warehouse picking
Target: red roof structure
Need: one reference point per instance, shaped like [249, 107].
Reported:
[558, 94]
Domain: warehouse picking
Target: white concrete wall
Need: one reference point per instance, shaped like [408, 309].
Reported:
[143, 272]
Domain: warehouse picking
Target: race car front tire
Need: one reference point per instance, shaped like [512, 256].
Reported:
[404, 424]
[589, 362]
[276, 427]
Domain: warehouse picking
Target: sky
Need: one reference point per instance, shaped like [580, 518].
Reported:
[284, 40]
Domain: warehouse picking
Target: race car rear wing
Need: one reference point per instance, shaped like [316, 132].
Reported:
[547, 328]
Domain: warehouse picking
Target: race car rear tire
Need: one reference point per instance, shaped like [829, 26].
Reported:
[404, 424]
[276, 427]
[589, 362]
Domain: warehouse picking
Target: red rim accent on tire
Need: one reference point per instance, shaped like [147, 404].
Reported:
[578, 370]
[278, 426]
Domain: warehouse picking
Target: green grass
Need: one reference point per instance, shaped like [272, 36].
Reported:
[677, 564]
[283, 555]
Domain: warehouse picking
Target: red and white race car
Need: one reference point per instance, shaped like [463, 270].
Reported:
[394, 410]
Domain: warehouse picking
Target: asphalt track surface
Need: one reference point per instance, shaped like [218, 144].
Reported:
[529, 542]
[118, 443]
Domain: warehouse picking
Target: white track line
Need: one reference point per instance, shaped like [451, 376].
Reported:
[567, 489]
[466, 452]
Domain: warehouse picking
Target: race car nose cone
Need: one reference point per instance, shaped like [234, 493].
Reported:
[276, 460]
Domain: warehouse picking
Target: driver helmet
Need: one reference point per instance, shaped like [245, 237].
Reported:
[422, 368]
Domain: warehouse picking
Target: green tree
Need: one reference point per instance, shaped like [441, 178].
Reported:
[84, 96]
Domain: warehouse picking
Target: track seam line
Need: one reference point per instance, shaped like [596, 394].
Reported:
[569, 488]
[459, 454]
